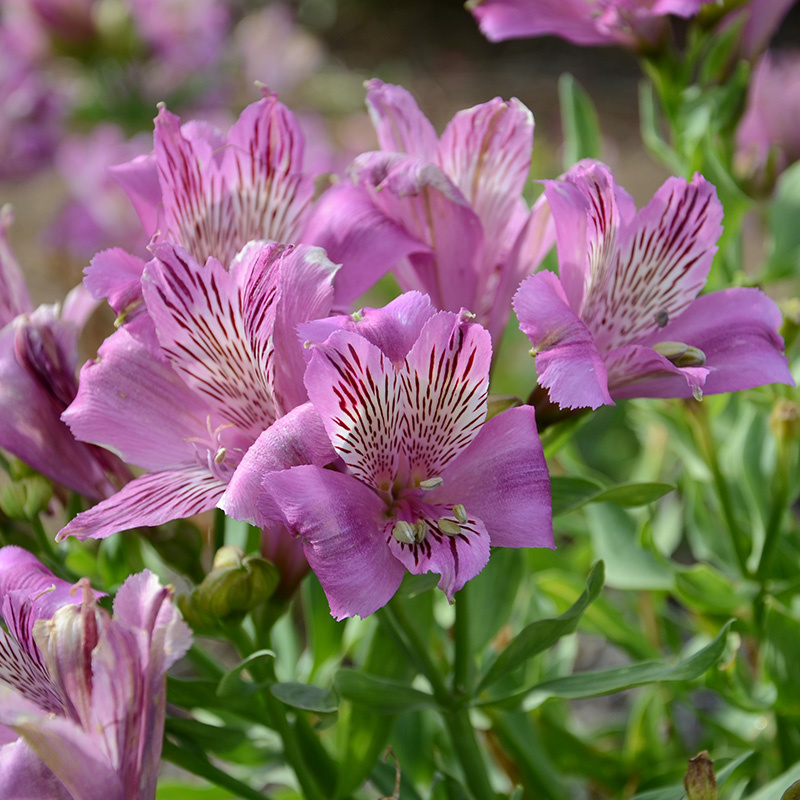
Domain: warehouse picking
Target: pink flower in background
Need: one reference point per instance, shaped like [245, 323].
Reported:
[447, 213]
[185, 389]
[424, 483]
[38, 364]
[83, 691]
[99, 214]
[762, 18]
[631, 23]
[623, 318]
[771, 122]
[31, 110]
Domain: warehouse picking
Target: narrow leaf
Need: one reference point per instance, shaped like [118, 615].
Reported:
[305, 696]
[230, 684]
[380, 695]
[579, 121]
[544, 633]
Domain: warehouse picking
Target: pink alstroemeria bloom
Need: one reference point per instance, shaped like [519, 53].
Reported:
[771, 122]
[210, 193]
[185, 389]
[447, 213]
[623, 318]
[38, 366]
[83, 691]
[630, 23]
[425, 484]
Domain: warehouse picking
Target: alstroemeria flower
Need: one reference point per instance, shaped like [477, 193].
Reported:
[38, 364]
[631, 23]
[184, 390]
[447, 213]
[82, 690]
[770, 122]
[425, 484]
[623, 318]
[210, 193]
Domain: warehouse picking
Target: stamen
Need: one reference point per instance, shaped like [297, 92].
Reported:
[420, 530]
[220, 455]
[357, 316]
[449, 527]
[403, 532]
[431, 483]
[680, 354]
[460, 513]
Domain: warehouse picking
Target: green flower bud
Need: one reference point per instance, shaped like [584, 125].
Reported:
[793, 792]
[785, 421]
[26, 498]
[700, 781]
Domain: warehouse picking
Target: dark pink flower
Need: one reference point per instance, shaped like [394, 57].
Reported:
[622, 318]
[424, 483]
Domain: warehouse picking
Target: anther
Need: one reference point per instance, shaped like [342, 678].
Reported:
[403, 532]
[219, 457]
[460, 513]
[431, 483]
[449, 527]
[680, 354]
[357, 316]
[420, 530]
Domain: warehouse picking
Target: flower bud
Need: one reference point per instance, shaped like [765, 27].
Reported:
[793, 792]
[26, 498]
[236, 584]
[785, 421]
[700, 781]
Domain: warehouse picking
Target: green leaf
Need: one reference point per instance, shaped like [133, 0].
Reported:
[570, 494]
[579, 121]
[190, 693]
[775, 788]
[782, 655]
[381, 695]
[598, 682]
[305, 696]
[703, 588]
[199, 765]
[172, 790]
[784, 212]
[230, 683]
[544, 633]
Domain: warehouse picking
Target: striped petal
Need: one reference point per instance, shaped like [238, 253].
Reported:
[661, 264]
[445, 382]
[400, 125]
[486, 152]
[197, 312]
[149, 501]
[355, 389]
[23, 775]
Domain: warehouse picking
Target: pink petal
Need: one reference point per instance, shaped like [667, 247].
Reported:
[149, 501]
[393, 329]
[486, 152]
[419, 197]
[502, 479]
[567, 360]
[400, 125]
[637, 371]
[298, 438]
[23, 775]
[662, 264]
[446, 382]
[263, 167]
[341, 522]
[139, 179]
[22, 669]
[586, 216]
[130, 400]
[14, 297]
[116, 276]
[355, 389]
[457, 558]
[359, 236]
[197, 312]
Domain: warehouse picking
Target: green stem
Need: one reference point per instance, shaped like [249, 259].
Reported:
[462, 661]
[699, 416]
[276, 717]
[780, 498]
[462, 735]
[219, 528]
[394, 616]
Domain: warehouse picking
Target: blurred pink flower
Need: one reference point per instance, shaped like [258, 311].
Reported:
[630, 23]
[771, 122]
[99, 214]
